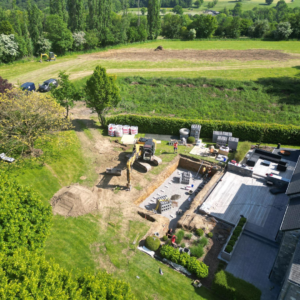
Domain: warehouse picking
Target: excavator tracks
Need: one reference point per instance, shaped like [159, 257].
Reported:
[146, 167]
[156, 160]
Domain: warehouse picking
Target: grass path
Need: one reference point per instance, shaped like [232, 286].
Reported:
[79, 66]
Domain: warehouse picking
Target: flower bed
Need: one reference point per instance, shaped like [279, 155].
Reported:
[194, 266]
[233, 239]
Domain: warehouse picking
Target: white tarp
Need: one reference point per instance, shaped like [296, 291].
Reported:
[147, 251]
[177, 267]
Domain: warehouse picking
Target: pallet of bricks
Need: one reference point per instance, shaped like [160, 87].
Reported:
[195, 131]
[163, 204]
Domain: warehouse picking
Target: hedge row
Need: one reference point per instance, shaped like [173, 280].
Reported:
[230, 287]
[247, 131]
[236, 234]
[193, 265]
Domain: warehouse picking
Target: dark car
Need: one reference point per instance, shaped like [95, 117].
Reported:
[28, 86]
[47, 85]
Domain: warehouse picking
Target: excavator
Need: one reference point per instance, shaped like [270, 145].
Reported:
[50, 57]
[143, 150]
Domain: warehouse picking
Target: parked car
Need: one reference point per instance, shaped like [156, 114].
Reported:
[47, 85]
[28, 86]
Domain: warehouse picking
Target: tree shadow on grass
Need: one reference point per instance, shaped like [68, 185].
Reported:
[286, 88]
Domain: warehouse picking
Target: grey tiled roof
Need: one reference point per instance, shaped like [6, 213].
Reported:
[294, 275]
[291, 219]
[294, 186]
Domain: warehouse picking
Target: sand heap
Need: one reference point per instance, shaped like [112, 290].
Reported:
[74, 201]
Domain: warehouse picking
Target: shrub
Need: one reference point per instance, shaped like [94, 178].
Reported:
[199, 232]
[182, 245]
[25, 221]
[210, 234]
[247, 131]
[231, 243]
[196, 242]
[188, 236]
[191, 140]
[203, 241]
[197, 251]
[228, 249]
[179, 236]
[233, 238]
[228, 286]
[152, 243]
[165, 238]
[194, 266]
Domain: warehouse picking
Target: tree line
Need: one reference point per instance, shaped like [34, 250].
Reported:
[75, 25]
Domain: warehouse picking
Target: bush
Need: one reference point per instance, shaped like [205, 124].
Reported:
[28, 275]
[199, 232]
[210, 234]
[188, 236]
[152, 243]
[191, 140]
[25, 221]
[247, 131]
[242, 151]
[165, 238]
[179, 236]
[194, 266]
[231, 243]
[228, 249]
[182, 245]
[197, 251]
[228, 286]
[203, 241]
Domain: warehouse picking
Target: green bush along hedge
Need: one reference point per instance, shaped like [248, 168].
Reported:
[230, 287]
[152, 243]
[194, 266]
[273, 133]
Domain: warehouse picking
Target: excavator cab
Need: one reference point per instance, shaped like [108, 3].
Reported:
[148, 150]
[49, 57]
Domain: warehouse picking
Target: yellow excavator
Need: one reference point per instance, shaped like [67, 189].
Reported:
[143, 150]
[50, 57]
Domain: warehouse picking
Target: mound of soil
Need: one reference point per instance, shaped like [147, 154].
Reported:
[74, 201]
[159, 48]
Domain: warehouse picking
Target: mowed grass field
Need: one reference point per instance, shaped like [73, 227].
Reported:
[79, 66]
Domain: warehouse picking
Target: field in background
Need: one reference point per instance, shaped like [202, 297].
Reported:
[79, 66]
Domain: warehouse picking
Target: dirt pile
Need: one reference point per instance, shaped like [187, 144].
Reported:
[74, 201]
[159, 48]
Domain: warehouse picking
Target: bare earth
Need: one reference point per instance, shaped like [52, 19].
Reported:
[133, 54]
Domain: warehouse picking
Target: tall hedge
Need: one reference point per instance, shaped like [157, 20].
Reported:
[28, 275]
[245, 131]
[230, 287]
[24, 220]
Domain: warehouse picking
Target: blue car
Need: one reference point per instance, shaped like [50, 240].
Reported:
[28, 86]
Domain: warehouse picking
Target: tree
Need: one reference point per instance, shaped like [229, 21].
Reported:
[4, 85]
[42, 46]
[76, 15]
[6, 28]
[283, 31]
[35, 22]
[102, 93]
[163, 11]
[66, 92]
[269, 2]
[79, 40]
[153, 17]
[59, 34]
[29, 275]
[9, 49]
[295, 25]
[177, 10]
[234, 29]
[24, 219]
[259, 28]
[205, 26]
[197, 3]
[143, 10]
[26, 117]
[171, 26]
[58, 7]
[237, 10]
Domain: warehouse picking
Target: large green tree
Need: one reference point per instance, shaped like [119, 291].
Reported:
[59, 7]
[76, 15]
[24, 219]
[205, 26]
[66, 92]
[153, 17]
[58, 34]
[6, 28]
[35, 22]
[102, 93]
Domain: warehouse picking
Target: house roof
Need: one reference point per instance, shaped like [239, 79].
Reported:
[294, 186]
[294, 275]
[291, 219]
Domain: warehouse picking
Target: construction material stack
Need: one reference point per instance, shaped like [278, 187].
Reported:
[195, 131]
[233, 143]
[163, 204]
[215, 135]
[222, 140]
[185, 177]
